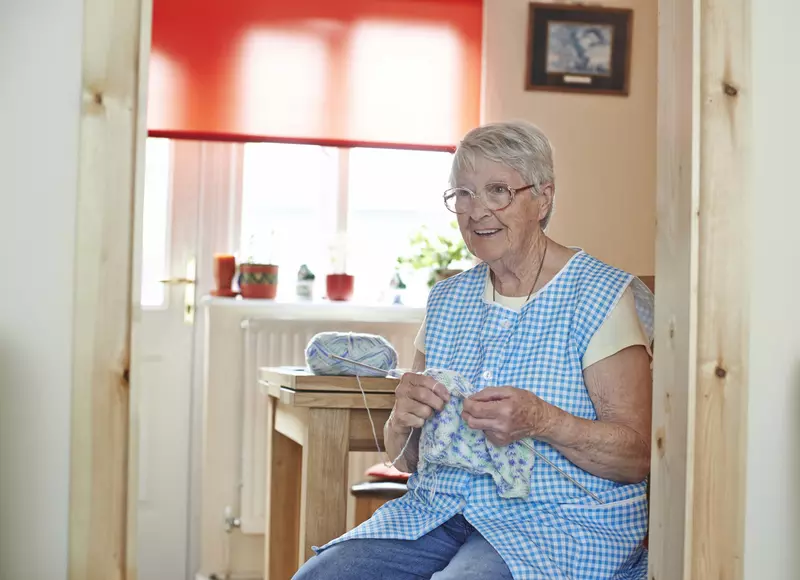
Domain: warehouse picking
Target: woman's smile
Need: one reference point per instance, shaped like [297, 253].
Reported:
[486, 232]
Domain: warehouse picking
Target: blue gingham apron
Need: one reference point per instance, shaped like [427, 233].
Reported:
[558, 531]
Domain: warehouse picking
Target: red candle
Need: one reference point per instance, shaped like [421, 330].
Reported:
[224, 271]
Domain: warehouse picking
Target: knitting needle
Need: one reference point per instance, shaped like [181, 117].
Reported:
[391, 374]
[566, 475]
[527, 444]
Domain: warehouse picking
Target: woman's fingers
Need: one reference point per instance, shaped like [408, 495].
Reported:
[423, 389]
[481, 409]
[492, 394]
[430, 384]
[418, 397]
[479, 423]
[426, 397]
[441, 391]
[405, 419]
[414, 407]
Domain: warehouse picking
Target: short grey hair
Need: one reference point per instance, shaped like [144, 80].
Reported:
[520, 145]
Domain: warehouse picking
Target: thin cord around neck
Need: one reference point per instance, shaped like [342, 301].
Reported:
[535, 281]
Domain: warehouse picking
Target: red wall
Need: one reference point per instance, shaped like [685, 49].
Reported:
[201, 83]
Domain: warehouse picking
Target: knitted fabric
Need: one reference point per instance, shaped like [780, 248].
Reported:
[447, 440]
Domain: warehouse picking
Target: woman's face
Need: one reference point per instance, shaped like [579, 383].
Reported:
[507, 233]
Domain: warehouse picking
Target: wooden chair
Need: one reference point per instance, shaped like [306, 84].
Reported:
[370, 495]
[383, 484]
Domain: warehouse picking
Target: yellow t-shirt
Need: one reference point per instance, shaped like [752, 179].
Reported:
[620, 329]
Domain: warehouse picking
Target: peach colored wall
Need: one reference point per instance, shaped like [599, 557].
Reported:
[605, 146]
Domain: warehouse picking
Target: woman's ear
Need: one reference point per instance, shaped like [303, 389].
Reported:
[545, 200]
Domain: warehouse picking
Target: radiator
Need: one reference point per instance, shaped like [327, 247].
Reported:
[271, 342]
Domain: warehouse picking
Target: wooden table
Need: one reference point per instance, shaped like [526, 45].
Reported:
[315, 421]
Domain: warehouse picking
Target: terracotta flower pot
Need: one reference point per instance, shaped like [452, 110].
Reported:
[339, 286]
[446, 273]
[258, 280]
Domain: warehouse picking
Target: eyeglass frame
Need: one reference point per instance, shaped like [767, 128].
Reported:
[474, 196]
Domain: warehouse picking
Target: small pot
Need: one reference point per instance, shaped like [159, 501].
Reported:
[258, 280]
[339, 286]
[445, 274]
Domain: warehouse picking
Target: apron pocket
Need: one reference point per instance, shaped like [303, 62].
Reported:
[608, 534]
[626, 517]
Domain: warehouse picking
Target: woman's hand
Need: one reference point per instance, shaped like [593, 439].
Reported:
[417, 398]
[506, 414]
[615, 445]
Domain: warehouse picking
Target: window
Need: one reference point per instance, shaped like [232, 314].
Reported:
[288, 207]
[391, 194]
[155, 222]
[295, 206]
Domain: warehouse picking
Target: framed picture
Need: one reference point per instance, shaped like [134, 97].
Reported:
[578, 48]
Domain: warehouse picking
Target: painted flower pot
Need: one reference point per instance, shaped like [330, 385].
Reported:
[339, 286]
[258, 280]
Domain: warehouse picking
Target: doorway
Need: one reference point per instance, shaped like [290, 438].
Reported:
[192, 196]
[684, 296]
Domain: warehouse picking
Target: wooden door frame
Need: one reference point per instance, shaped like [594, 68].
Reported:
[115, 55]
[700, 385]
[700, 368]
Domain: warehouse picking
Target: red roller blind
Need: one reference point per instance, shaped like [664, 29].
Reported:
[321, 71]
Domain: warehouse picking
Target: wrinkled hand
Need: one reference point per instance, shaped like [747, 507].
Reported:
[417, 398]
[506, 414]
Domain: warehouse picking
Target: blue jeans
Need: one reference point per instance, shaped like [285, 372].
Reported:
[453, 551]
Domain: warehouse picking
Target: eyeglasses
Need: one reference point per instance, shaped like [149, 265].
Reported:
[494, 196]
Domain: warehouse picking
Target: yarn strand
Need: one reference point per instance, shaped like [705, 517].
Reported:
[375, 431]
[402, 451]
[369, 415]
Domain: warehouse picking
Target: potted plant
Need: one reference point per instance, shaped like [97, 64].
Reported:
[258, 279]
[443, 254]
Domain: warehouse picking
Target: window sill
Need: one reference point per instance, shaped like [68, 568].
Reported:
[319, 310]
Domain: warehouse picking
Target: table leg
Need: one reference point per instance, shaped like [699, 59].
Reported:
[284, 480]
[324, 493]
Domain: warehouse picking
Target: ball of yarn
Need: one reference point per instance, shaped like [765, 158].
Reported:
[369, 349]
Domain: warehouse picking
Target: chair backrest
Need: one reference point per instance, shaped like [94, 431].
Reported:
[650, 282]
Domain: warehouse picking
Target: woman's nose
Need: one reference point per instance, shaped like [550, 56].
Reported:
[478, 211]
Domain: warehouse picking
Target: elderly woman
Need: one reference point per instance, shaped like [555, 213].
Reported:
[542, 472]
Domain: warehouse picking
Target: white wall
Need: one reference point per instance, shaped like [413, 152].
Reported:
[40, 43]
[605, 146]
[773, 461]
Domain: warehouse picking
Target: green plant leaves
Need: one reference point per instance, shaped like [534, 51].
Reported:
[436, 252]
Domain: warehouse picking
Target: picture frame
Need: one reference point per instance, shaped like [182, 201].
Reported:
[579, 48]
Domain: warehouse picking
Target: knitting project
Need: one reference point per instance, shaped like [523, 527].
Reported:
[447, 440]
